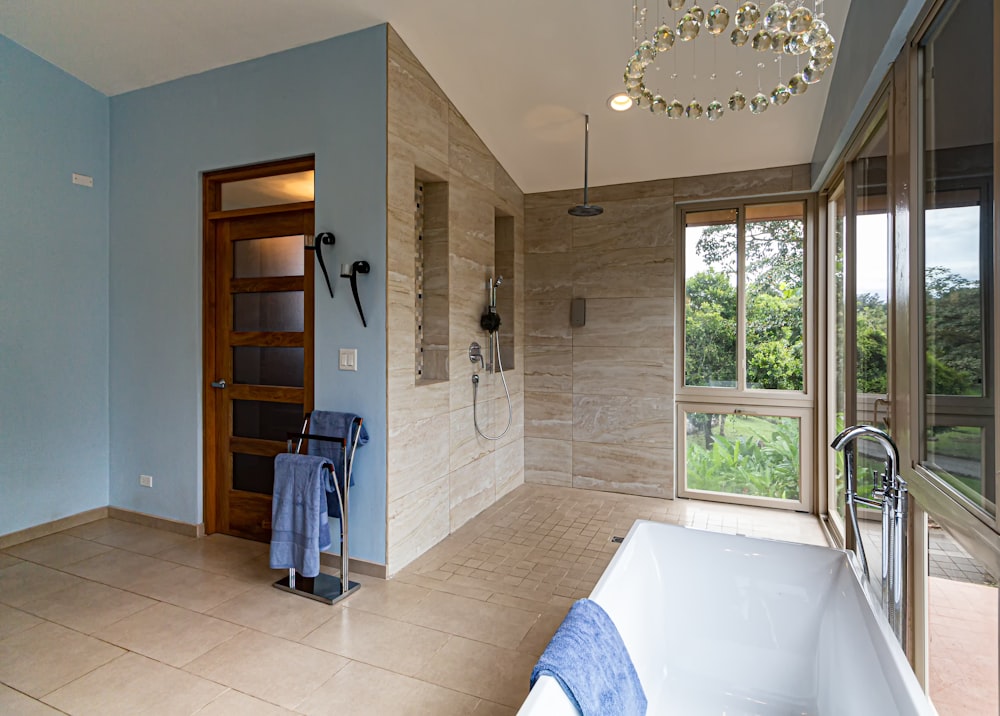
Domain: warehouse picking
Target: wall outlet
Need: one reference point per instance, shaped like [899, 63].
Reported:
[146, 480]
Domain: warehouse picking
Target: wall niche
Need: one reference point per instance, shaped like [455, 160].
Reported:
[431, 252]
[503, 263]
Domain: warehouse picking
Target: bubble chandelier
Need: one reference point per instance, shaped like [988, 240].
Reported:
[792, 31]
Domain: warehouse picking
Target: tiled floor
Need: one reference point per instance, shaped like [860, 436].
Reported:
[963, 647]
[113, 618]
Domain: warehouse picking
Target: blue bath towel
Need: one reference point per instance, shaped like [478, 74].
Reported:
[334, 424]
[300, 529]
[589, 660]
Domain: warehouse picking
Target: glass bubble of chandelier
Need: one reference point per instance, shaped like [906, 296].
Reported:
[794, 32]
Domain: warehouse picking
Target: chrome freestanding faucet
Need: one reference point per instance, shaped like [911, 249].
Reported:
[892, 498]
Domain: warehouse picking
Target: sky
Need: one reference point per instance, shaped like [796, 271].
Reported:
[952, 236]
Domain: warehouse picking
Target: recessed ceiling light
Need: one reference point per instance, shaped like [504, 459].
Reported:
[620, 102]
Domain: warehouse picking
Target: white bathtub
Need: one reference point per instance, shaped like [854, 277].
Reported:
[722, 624]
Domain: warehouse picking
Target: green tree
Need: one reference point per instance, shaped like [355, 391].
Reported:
[872, 341]
[710, 328]
[954, 335]
[774, 260]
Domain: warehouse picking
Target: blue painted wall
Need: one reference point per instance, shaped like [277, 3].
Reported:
[326, 99]
[53, 293]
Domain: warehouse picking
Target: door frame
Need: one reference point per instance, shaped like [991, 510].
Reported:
[211, 212]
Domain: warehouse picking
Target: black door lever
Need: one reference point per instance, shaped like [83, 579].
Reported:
[356, 268]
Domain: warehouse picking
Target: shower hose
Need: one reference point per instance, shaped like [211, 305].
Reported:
[475, 393]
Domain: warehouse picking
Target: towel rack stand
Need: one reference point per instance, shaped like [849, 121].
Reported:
[328, 588]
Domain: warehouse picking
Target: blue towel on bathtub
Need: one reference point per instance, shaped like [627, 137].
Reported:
[589, 660]
[300, 529]
[334, 424]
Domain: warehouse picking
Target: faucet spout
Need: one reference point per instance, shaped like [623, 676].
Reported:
[892, 498]
[881, 437]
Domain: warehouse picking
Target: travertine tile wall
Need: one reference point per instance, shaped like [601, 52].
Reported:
[440, 473]
[599, 400]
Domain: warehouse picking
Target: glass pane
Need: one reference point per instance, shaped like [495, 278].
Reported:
[958, 453]
[266, 421]
[260, 258]
[871, 267]
[268, 191]
[958, 245]
[279, 311]
[775, 253]
[838, 217]
[962, 624]
[744, 455]
[710, 315]
[253, 473]
[257, 365]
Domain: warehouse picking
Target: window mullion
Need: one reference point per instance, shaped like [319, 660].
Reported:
[741, 302]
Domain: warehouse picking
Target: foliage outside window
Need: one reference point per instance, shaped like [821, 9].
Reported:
[760, 254]
[744, 334]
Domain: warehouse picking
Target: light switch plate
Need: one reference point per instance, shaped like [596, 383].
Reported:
[348, 358]
[83, 180]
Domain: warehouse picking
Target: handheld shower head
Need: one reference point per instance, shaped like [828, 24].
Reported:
[498, 281]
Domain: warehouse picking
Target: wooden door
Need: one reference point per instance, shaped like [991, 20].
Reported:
[258, 358]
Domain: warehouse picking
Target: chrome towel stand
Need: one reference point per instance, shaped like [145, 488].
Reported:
[324, 587]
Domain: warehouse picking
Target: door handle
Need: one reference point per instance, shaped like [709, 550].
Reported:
[219, 383]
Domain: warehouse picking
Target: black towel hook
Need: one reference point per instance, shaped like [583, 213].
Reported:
[352, 273]
[325, 238]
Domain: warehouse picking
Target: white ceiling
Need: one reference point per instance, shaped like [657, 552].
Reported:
[523, 72]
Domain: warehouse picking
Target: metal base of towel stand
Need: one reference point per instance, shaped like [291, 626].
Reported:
[327, 588]
[324, 588]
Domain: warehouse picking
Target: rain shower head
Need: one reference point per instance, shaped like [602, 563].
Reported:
[586, 209]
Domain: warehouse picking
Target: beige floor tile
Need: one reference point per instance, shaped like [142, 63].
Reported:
[57, 550]
[256, 570]
[25, 582]
[364, 690]
[169, 634]
[14, 620]
[189, 588]
[232, 703]
[377, 640]
[275, 612]
[540, 634]
[97, 528]
[488, 708]
[141, 539]
[391, 598]
[483, 670]
[120, 568]
[7, 560]
[17, 704]
[483, 621]
[39, 660]
[275, 670]
[133, 684]
[88, 606]
[215, 553]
